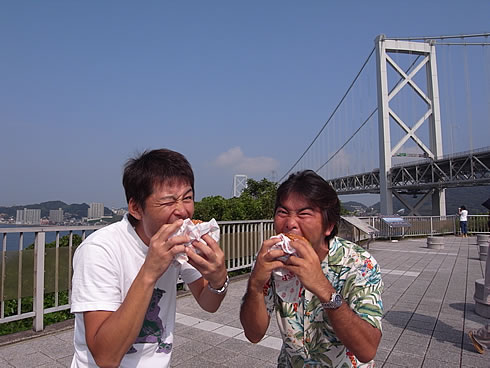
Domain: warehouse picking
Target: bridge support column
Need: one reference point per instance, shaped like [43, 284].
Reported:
[439, 202]
[385, 191]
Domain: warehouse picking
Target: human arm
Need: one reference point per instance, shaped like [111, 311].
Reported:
[253, 312]
[110, 334]
[355, 332]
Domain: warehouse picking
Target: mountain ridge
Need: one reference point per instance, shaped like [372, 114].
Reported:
[78, 210]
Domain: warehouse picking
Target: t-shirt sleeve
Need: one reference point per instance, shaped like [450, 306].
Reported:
[95, 283]
[363, 288]
[188, 273]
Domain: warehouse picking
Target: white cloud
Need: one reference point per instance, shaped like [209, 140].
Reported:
[236, 160]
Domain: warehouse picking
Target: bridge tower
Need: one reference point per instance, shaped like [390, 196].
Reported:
[239, 184]
[433, 149]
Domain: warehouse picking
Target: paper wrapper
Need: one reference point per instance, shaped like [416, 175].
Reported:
[286, 282]
[195, 231]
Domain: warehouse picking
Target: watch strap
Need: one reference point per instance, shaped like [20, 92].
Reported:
[222, 289]
[334, 302]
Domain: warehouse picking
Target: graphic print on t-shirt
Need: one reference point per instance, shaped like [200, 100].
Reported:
[153, 329]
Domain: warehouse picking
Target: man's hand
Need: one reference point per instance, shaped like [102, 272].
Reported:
[265, 263]
[210, 261]
[162, 250]
[307, 267]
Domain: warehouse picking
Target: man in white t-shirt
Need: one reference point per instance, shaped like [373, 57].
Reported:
[124, 279]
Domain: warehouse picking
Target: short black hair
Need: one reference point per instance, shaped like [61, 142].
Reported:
[143, 172]
[319, 194]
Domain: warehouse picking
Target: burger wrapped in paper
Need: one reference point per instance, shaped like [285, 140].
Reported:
[285, 244]
[287, 284]
[195, 229]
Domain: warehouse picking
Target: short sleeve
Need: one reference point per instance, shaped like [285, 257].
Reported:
[95, 283]
[269, 293]
[188, 273]
[363, 288]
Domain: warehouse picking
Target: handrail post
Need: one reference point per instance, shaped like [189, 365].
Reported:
[261, 240]
[39, 250]
[431, 227]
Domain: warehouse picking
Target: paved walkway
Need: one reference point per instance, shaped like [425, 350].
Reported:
[428, 301]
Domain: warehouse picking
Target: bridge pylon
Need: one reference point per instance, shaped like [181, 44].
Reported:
[239, 184]
[425, 51]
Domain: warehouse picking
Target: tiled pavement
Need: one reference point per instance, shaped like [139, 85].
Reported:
[428, 301]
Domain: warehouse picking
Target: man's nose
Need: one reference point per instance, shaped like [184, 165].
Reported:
[179, 207]
[291, 223]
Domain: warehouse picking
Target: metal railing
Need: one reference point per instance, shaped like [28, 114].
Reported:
[38, 272]
[31, 273]
[430, 225]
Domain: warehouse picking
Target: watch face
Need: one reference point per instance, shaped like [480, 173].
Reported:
[334, 303]
[337, 301]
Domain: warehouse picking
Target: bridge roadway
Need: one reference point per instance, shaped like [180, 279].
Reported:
[461, 169]
[428, 302]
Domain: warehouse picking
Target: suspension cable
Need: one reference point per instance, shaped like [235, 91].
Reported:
[463, 43]
[348, 140]
[331, 115]
[427, 38]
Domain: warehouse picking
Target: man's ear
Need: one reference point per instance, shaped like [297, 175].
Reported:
[329, 229]
[134, 209]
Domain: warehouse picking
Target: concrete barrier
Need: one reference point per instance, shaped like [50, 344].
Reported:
[482, 292]
[435, 242]
[482, 238]
[483, 248]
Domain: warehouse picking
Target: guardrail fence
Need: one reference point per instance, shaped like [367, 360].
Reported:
[32, 274]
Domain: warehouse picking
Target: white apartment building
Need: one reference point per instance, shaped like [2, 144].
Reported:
[56, 216]
[96, 210]
[28, 216]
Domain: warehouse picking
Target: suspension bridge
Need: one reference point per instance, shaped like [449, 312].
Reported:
[414, 121]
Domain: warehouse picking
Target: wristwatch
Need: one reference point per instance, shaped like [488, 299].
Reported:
[222, 289]
[334, 303]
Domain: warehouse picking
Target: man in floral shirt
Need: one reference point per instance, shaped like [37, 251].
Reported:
[326, 295]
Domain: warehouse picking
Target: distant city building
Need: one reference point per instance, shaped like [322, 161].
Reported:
[96, 210]
[28, 216]
[119, 211]
[56, 216]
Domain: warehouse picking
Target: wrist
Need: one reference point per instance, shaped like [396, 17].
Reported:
[221, 289]
[218, 282]
[325, 291]
[256, 286]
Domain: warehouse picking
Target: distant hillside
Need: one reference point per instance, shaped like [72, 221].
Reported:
[75, 209]
[470, 197]
[354, 207]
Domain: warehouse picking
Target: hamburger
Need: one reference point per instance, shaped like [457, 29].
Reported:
[294, 237]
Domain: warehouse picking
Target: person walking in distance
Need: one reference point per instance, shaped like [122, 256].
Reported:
[463, 220]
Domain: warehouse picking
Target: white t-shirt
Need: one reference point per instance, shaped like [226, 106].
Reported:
[463, 215]
[104, 267]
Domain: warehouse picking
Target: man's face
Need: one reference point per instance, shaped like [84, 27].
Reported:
[295, 215]
[169, 202]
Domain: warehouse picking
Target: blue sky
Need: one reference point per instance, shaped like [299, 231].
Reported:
[237, 87]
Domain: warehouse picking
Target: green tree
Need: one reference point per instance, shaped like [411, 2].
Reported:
[263, 193]
[255, 203]
[210, 207]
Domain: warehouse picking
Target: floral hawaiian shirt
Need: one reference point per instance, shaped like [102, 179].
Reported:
[308, 337]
